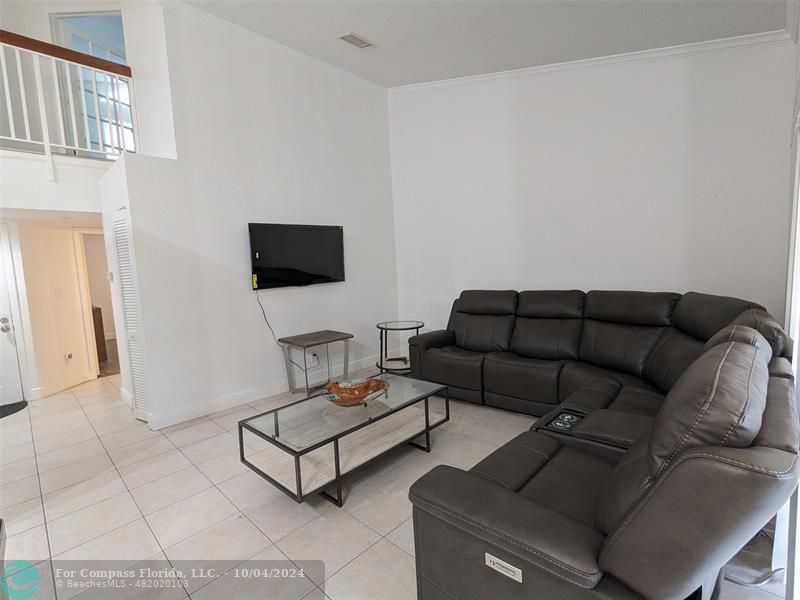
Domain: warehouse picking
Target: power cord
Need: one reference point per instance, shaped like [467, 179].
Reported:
[275, 338]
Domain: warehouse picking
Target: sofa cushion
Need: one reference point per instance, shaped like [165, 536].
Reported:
[621, 328]
[519, 377]
[673, 353]
[703, 315]
[516, 462]
[575, 375]
[454, 366]
[637, 400]
[718, 401]
[631, 308]
[548, 324]
[765, 324]
[740, 333]
[482, 320]
[570, 483]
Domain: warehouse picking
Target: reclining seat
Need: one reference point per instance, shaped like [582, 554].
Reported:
[536, 519]
[481, 322]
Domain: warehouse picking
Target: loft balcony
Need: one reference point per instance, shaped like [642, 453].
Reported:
[57, 101]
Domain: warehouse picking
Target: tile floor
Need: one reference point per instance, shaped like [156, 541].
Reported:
[80, 478]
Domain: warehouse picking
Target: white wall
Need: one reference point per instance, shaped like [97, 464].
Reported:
[292, 141]
[54, 305]
[96, 269]
[24, 184]
[668, 174]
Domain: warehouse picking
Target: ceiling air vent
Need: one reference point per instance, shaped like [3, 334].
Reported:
[356, 40]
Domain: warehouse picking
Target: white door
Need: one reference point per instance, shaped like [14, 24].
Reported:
[10, 381]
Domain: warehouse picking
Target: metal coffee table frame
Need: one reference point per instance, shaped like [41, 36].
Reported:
[338, 500]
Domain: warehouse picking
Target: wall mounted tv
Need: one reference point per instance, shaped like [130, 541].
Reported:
[291, 255]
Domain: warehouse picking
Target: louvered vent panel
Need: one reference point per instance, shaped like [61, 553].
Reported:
[130, 311]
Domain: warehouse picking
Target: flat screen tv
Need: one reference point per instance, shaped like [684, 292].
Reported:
[291, 255]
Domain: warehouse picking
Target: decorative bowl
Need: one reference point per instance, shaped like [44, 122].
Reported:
[355, 395]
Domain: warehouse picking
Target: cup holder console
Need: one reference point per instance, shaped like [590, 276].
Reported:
[563, 422]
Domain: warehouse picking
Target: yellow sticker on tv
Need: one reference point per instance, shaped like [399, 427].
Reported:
[255, 281]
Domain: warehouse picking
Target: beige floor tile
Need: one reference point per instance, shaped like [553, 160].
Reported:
[279, 516]
[384, 572]
[75, 497]
[383, 505]
[23, 516]
[169, 588]
[403, 536]
[71, 422]
[15, 439]
[75, 472]
[64, 439]
[69, 454]
[235, 538]
[168, 490]
[183, 425]
[222, 467]
[462, 451]
[230, 586]
[153, 468]
[92, 388]
[247, 489]
[335, 538]
[130, 543]
[113, 420]
[93, 521]
[139, 451]
[97, 404]
[184, 519]
[195, 433]
[140, 431]
[212, 447]
[11, 454]
[19, 491]
[15, 471]
[30, 545]
[230, 421]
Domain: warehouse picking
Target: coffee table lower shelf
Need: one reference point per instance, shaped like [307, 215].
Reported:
[323, 465]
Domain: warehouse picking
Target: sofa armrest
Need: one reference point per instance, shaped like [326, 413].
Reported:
[419, 344]
[594, 394]
[432, 339]
[498, 517]
[613, 427]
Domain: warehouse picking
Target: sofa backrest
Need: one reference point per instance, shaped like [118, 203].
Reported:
[620, 329]
[695, 319]
[482, 320]
[548, 324]
[720, 461]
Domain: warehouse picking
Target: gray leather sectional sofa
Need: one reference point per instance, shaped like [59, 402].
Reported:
[669, 438]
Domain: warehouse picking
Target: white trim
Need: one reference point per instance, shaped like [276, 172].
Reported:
[85, 296]
[755, 40]
[159, 421]
[127, 397]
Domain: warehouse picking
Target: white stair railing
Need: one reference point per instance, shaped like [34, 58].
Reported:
[57, 100]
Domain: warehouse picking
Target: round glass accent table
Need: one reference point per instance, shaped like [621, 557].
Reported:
[384, 360]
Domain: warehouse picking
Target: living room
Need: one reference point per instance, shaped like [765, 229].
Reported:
[528, 146]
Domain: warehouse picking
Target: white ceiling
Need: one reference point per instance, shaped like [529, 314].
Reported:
[420, 41]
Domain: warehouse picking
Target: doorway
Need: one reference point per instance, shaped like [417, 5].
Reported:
[96, 299]
[11, 390]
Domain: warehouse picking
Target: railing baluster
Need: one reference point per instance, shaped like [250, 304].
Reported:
[98, 120]
[72, 105]
[24, 96]
[83, 106]
[60, 111]
[118, 113]
[131, 104]
[7, 89]
[37, 77]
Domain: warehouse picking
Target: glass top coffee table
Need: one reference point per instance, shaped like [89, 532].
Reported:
[307, 446]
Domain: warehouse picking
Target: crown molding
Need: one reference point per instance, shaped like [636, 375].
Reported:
[756, 40]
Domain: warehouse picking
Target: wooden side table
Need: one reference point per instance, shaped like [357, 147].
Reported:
[305, 341]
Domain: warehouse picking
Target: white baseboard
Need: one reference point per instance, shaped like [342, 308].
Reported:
[127, 397]
[279, 386]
